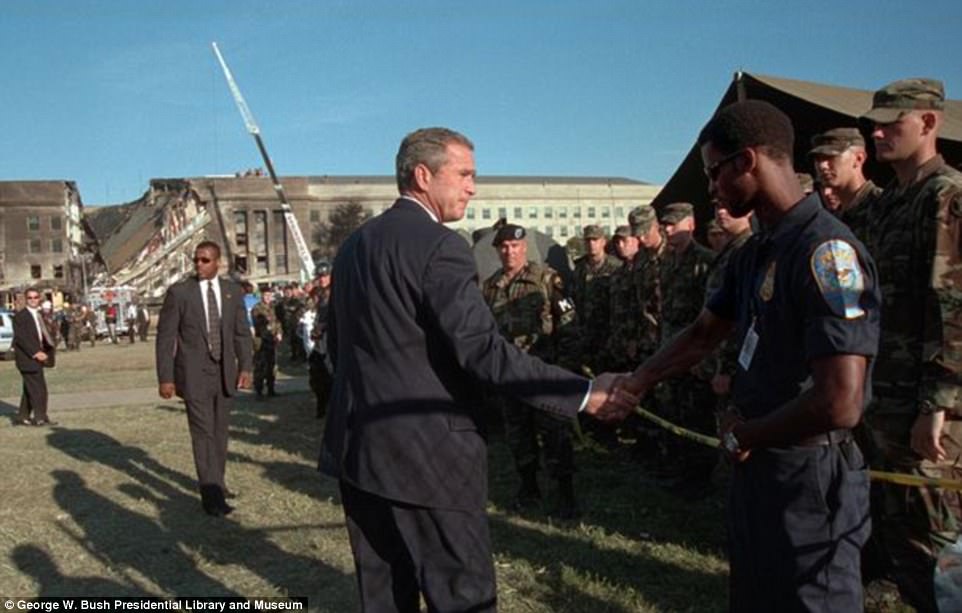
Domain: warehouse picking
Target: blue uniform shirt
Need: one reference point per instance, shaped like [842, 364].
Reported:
[805, 289]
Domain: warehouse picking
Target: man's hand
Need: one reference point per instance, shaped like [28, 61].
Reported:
[244, 379]
[40, 356]
[727, 422]
[609, 401]
[166, 390]
[927, 434]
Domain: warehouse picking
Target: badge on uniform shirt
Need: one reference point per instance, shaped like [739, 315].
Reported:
[839, 277]
[767, 290]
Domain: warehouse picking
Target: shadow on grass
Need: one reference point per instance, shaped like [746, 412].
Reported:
[126, 540]
[35, 562]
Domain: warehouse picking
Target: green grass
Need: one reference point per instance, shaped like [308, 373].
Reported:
[104, 504]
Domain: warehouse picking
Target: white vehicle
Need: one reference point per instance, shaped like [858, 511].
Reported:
[100, 299]
[6, 333]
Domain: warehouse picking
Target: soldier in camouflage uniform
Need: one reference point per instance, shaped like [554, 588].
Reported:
[623, 311]
[76, 315]
[267, 335]
[294, 307]
[838, 156]
[647, 279]
[915, 418]
[590, 291]
[686, 400]
[320, 375]
[528, 303]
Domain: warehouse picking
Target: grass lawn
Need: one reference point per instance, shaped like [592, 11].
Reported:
[105, 504]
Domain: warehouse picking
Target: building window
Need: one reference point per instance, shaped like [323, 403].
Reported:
[562, 213]
[620, 212]
[502, 213]
[58, 272]
[35, 271]
[56, 245]
[56, 222]
[315, 216]
[564, 230]
[517, 212]
[34, 246]
[548, 212]
[259, 242]
[240, 230]
[591, 212]
[607, 229]
[280, 242]
[470, 213]
[485, 213]
[532, 212]
[576, 213]
[605, 212]
[549, 231]
[33, 223]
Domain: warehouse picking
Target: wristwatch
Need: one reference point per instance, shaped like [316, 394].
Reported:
[730, 443]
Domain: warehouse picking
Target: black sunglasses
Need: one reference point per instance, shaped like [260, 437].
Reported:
[713, 170]
[203, 260]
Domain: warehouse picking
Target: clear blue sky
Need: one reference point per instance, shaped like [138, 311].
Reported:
[113, 93]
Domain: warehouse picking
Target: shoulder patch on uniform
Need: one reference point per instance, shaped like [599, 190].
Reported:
[839, 277]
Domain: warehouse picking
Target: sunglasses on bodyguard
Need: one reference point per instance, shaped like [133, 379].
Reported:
[713, 170]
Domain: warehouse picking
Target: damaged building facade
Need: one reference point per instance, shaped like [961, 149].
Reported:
[42, 239]
[148, 243]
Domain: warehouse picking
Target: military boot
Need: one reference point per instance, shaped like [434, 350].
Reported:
[529, 495]
[567, 506]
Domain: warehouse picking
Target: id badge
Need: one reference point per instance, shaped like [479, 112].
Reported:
[748, 348]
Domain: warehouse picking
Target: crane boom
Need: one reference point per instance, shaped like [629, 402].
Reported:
[304, 254]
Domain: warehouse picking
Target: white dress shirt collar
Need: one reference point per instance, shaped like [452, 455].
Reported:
[423, 206]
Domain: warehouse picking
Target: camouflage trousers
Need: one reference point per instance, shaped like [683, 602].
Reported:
[522, 427]
[265, 367]
[911, 524]
[687, 401]
[73, 338]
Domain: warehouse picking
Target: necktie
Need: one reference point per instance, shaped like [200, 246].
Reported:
[44, 333]
[213, 323]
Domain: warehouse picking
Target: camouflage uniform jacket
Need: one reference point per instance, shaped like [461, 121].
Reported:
[266, 326]
[532, 311]
[914, 236]
[683, 279]
[727, 352]
[857, 214]
[623, 314]
[649, 296]
[590, 291]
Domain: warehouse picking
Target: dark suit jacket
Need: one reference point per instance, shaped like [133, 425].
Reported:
[26, 343]
[412, 339]
[181, 348]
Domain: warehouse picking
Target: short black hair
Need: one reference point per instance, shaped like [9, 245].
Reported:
[208, 245]
[750, 123]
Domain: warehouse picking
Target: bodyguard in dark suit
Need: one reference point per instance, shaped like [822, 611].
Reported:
[411, 340]
[33, 350]
[203, 355]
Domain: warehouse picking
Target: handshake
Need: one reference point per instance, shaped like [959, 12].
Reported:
[612, 399]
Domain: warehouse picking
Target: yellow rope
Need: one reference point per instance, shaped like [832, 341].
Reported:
[877, 475]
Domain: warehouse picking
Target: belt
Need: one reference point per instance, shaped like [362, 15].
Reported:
[832, 437]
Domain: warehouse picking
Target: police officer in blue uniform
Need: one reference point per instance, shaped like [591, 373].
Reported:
[803, 298]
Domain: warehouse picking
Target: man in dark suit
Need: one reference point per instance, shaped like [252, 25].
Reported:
[203, 355]
[411, 340]
[33, 349]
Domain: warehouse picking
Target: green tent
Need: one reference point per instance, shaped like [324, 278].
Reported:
[814, 108]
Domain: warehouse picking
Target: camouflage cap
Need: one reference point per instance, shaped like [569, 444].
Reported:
[641, 218]
[836, 141]
[508, 232]
[622, 231]
[593, 231]
[322, 268]
[675, 212]
[890, 102]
